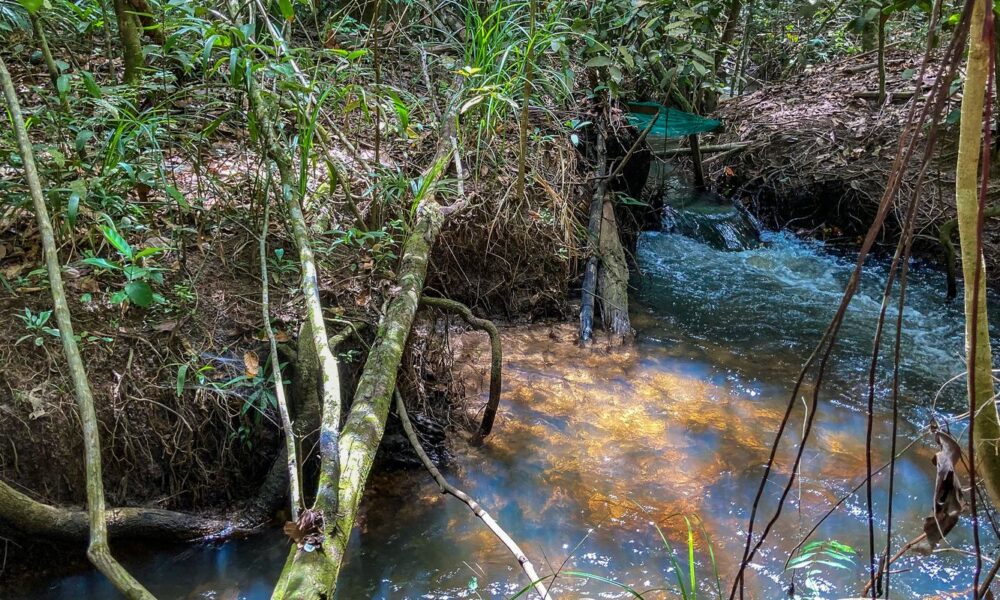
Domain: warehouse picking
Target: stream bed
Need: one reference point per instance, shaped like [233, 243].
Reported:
[594, 446]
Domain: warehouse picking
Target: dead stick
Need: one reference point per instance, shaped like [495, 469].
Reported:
[447, 488]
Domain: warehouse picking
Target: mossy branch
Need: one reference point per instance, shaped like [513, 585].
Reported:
[98, 551]
[329, 442]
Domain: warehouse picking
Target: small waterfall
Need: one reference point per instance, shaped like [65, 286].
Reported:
[703, 216]
[722, 226]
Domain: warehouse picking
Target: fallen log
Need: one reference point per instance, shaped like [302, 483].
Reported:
[31, 518]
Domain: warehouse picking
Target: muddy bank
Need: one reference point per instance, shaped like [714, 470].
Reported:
[816, 152]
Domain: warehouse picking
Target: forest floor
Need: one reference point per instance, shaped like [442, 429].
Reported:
[182, 387]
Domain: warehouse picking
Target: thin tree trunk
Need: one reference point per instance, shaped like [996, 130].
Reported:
[728, 32]
[291, 452]
[128, 32]
[98, 550]
[980, 380]
[589, 295]
[882, 19]
[326, 501]
[50, 63]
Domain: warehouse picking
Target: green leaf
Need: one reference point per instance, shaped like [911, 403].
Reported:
[599, 61]
[116, 240]
[148, 252]
[90, 84]
[102, 263]
[287, 11]
[82, 138]
[139, 293]
[78, 192]
[181, 379]
[118, 297]
[31, 6]
[178, 198]
[62, 85]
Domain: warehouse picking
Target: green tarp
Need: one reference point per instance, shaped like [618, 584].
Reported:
[671, 123]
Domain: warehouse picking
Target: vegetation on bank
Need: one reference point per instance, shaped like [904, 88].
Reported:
[173, 166]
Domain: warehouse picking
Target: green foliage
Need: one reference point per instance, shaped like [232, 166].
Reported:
[818, 554]
[495, 53]
[656, 49]
[137, 288]
[36, 323]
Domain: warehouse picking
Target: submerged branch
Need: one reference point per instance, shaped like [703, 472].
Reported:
[447, 488]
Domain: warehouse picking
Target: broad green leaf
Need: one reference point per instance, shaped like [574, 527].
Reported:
[181, 379]
[599, 61]
[287, 11]
[31, 6]
[139, 293]
[62, 84]
[90, 84]
[148, 252]
[102, 263]
[116, 240]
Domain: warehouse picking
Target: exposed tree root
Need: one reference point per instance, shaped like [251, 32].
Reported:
[447, 488]
[496, 357]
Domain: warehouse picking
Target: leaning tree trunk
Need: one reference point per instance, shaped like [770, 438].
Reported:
[313, 575]
[980, 381]
[98, 551]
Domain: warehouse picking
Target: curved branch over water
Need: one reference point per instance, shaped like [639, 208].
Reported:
[479, 511]
[98, 551]
[496, 356]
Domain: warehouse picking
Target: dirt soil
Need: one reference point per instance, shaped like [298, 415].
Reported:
[820, 148]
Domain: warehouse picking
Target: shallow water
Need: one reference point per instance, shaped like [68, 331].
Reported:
[594, 446]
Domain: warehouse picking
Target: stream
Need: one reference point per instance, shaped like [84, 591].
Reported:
[594, 446]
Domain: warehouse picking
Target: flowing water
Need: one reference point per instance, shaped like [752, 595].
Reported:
[595, 446]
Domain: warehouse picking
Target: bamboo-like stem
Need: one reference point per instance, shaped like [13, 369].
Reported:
[98, 551]
[980, 381]
[475, 507]
[292, 457]
[522, 155]
[496, 357]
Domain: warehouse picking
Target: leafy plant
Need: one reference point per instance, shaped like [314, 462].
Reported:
[137, 288]
[36, 323]
[817, 554]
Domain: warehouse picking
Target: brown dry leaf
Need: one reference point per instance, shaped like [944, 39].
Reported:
[949, 500]
[12, 271]
[251, 363]
[166, 326]
[292, 530]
